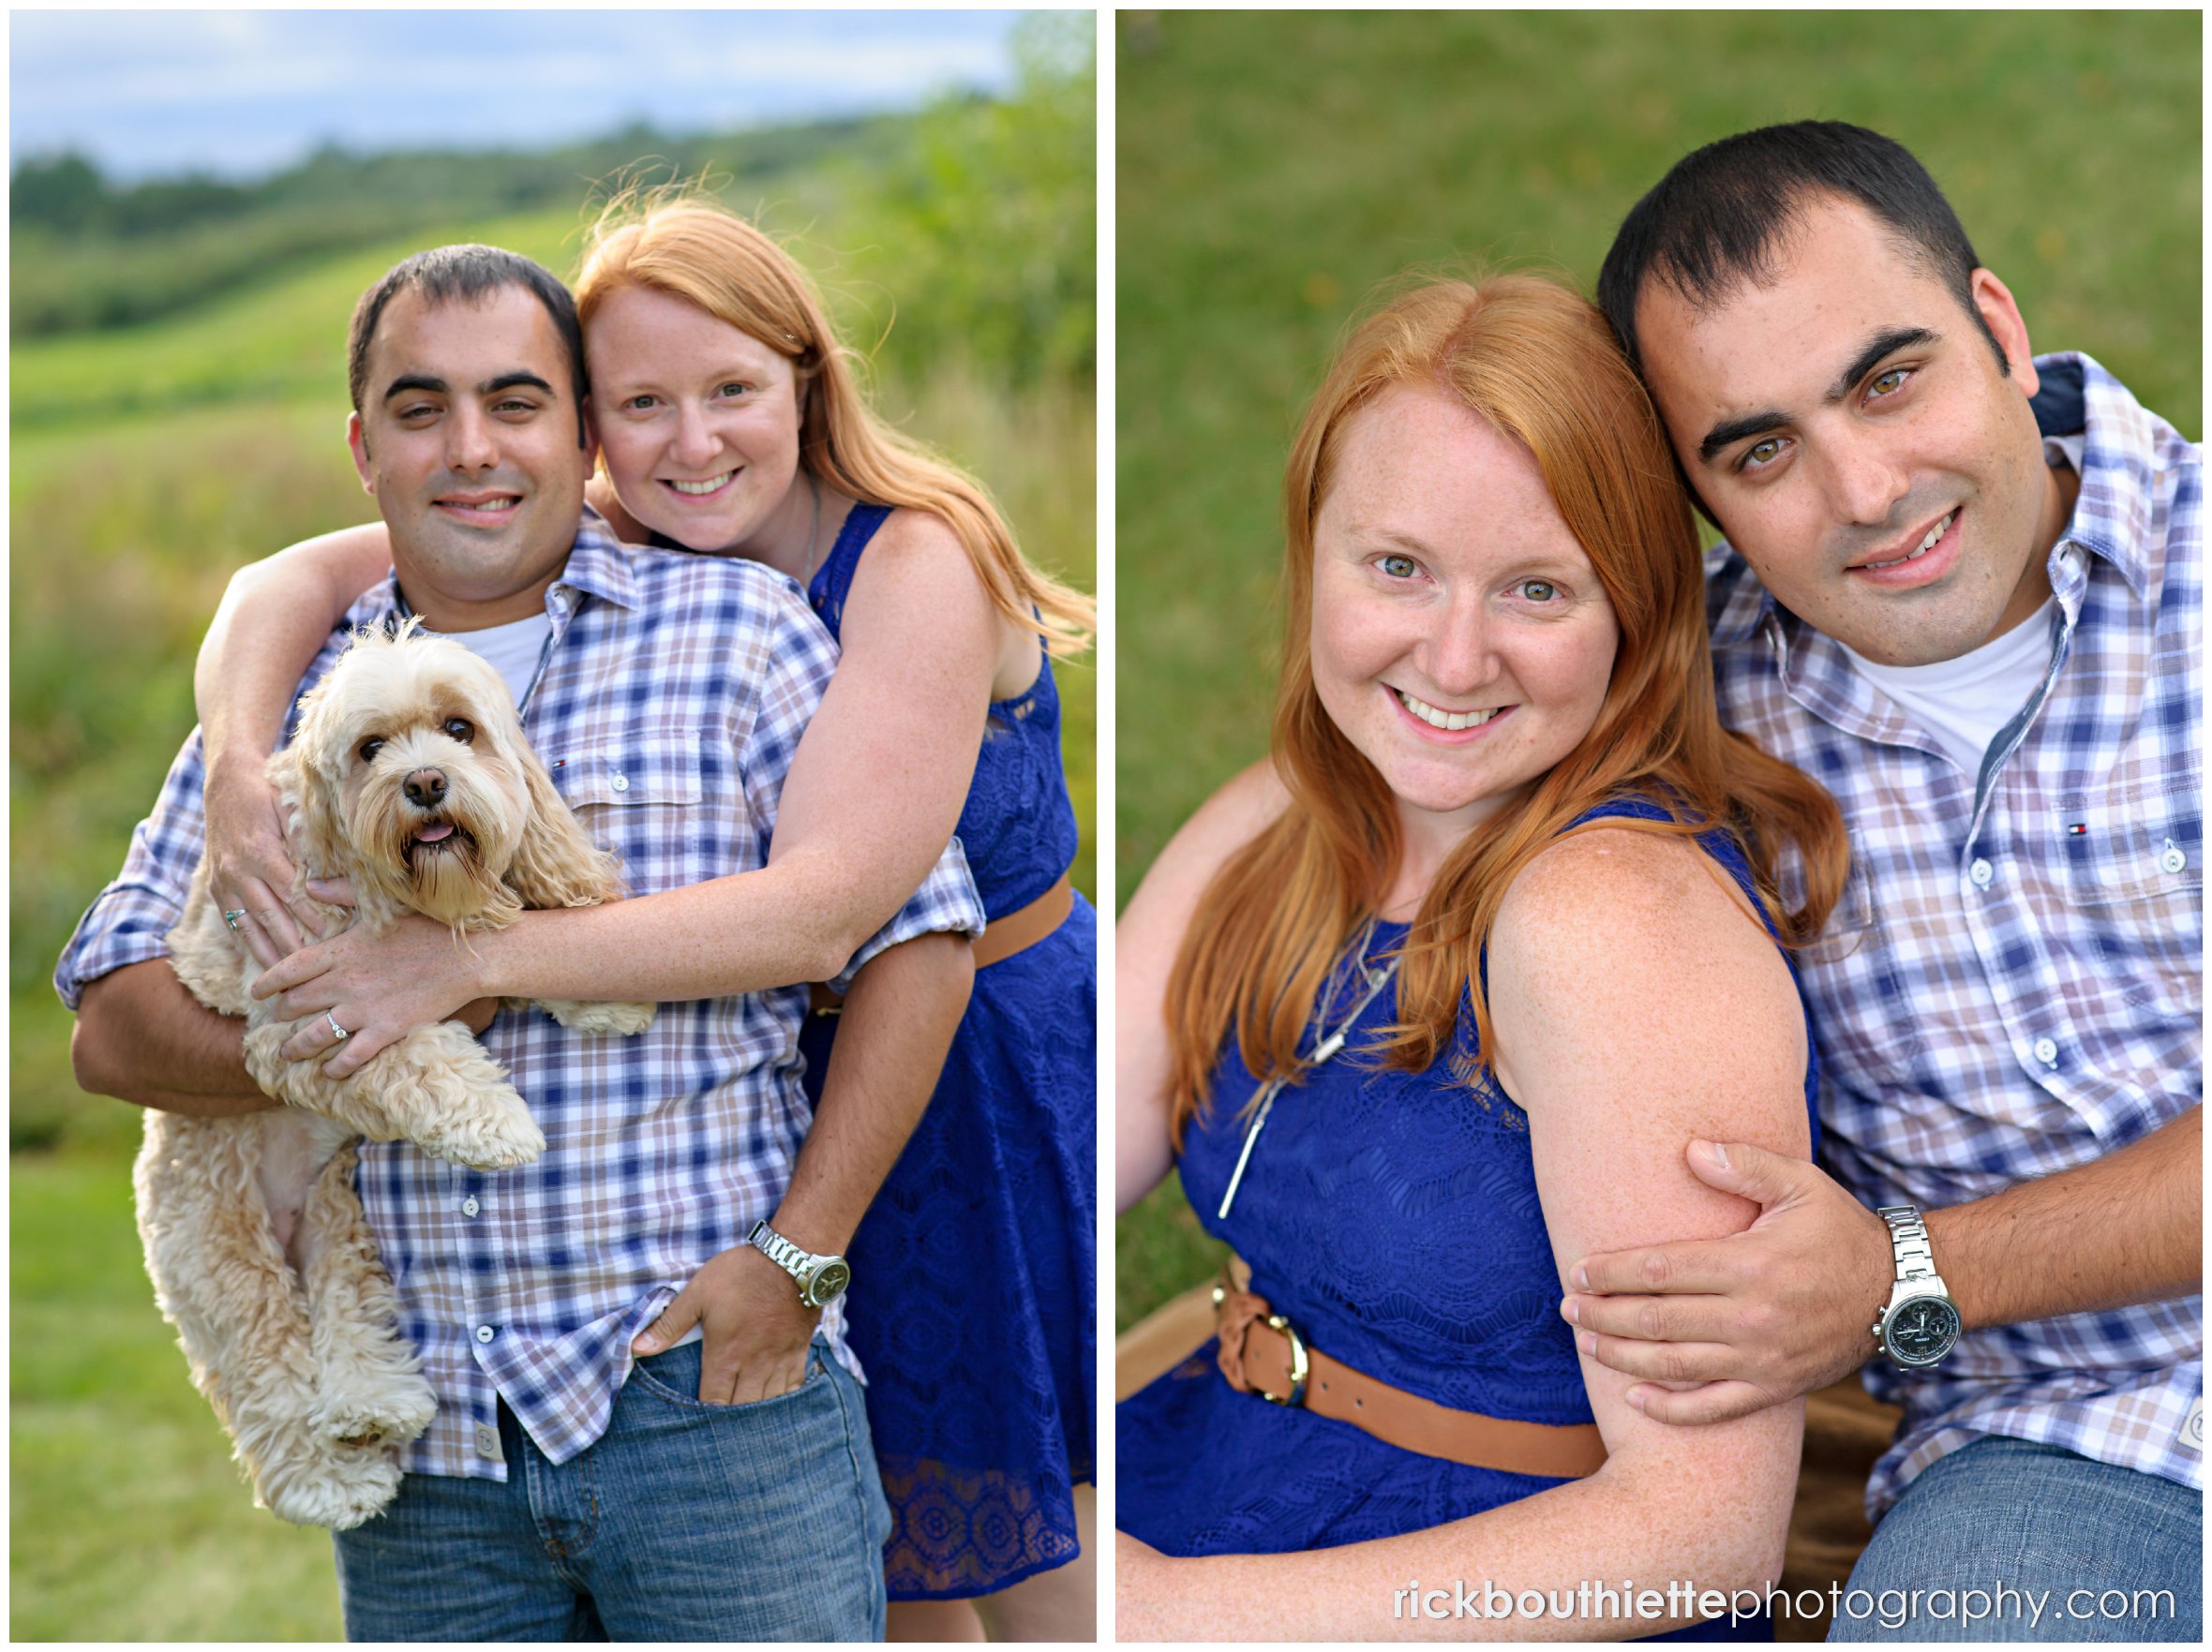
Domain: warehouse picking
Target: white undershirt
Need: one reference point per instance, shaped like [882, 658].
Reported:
[515, 650]
[1964, 702]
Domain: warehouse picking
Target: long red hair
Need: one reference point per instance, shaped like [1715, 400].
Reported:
[1539, 364]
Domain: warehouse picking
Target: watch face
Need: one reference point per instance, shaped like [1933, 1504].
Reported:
[828, 1283]
[1923, 1331]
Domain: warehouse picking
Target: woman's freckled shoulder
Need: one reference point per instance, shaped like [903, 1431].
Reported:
[1601, 891]
[918, 549]
[909, 533]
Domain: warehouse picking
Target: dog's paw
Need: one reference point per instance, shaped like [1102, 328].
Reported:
[484, 1138]
[389, 1414]
[339, 1491]
[622, 1020]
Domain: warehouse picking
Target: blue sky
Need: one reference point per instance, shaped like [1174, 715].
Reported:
[247, 93]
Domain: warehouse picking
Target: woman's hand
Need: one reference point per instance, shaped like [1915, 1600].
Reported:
[378, 988]
[249, 863]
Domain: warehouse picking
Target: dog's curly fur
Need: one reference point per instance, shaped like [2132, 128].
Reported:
[411, 777]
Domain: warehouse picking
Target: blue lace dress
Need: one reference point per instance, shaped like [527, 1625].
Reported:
[1392, 1218]
[974, 1275]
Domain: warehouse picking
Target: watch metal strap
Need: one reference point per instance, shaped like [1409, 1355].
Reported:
[1908, 1242]
[780, 1250]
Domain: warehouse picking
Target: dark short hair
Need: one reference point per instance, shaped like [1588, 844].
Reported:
[471, 272]
[1712, 223]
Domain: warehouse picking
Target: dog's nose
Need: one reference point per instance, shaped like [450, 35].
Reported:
[426, 788]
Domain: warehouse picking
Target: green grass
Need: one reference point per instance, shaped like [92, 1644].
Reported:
[1274, 169]
[129, 1520]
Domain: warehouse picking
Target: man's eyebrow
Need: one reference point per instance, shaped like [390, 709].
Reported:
[509, 380]
[418, 382]
[1880, 344]
[1730, 431]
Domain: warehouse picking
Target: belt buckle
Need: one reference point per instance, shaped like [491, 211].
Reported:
[1299, 1365]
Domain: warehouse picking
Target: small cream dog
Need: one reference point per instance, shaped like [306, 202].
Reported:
[411, 777]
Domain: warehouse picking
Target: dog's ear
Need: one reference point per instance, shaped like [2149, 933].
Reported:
[309, 777]
[557, 865]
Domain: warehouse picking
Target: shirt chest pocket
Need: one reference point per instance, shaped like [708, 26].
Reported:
[2140, 843]
[642, 769]
[2134, 861]
[1853, 923]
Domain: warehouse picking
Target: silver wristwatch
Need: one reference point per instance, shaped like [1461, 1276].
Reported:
[821, 1279]
[1921, 1323]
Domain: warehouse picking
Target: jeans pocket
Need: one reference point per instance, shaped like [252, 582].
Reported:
[672, 1376]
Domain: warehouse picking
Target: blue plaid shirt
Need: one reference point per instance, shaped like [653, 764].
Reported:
[671, 696]
[2012, 983]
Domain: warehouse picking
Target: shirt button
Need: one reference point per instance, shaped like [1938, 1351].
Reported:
[2047, 1051]
[621, 782]
[488, 1441]
[470, 1206]
[485, 1332]
[1981, 872]
[2172, 858]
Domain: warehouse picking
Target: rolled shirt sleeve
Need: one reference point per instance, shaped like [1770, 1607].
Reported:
[129, 922]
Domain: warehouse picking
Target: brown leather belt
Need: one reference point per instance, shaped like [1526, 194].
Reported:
[1262, 1354]
[1000, 940]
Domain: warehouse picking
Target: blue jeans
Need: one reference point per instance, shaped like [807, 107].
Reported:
[683, 1521]
[2045, 1523]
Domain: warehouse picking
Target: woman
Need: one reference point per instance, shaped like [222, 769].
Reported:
[731, 425]
[1503, 847]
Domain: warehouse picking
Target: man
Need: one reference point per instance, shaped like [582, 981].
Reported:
[1983, 637]
[561, 1492]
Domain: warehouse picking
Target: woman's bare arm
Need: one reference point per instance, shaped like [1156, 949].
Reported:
[1146, 941]
[1639, 1006]
[600, 495]
[275, 617]
[875, 791]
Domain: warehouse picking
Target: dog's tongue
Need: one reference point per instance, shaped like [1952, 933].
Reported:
[436, 834]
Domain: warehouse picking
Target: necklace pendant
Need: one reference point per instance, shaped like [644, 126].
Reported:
[1250, 1140]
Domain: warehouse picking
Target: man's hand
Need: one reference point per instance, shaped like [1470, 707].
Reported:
[1749, 1321]
[757, 1328]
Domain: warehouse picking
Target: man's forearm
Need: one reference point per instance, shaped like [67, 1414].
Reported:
[897, 1024]
[143, 1037]
[2128, 1228]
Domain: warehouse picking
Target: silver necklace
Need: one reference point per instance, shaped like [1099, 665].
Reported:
[1377, 978]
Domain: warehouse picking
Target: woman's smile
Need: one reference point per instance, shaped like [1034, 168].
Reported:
[1435, 723]
[700, 490]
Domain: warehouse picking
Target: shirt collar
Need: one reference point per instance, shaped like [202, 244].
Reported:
[598, 566]
[2113, 513]
[1737, 605]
